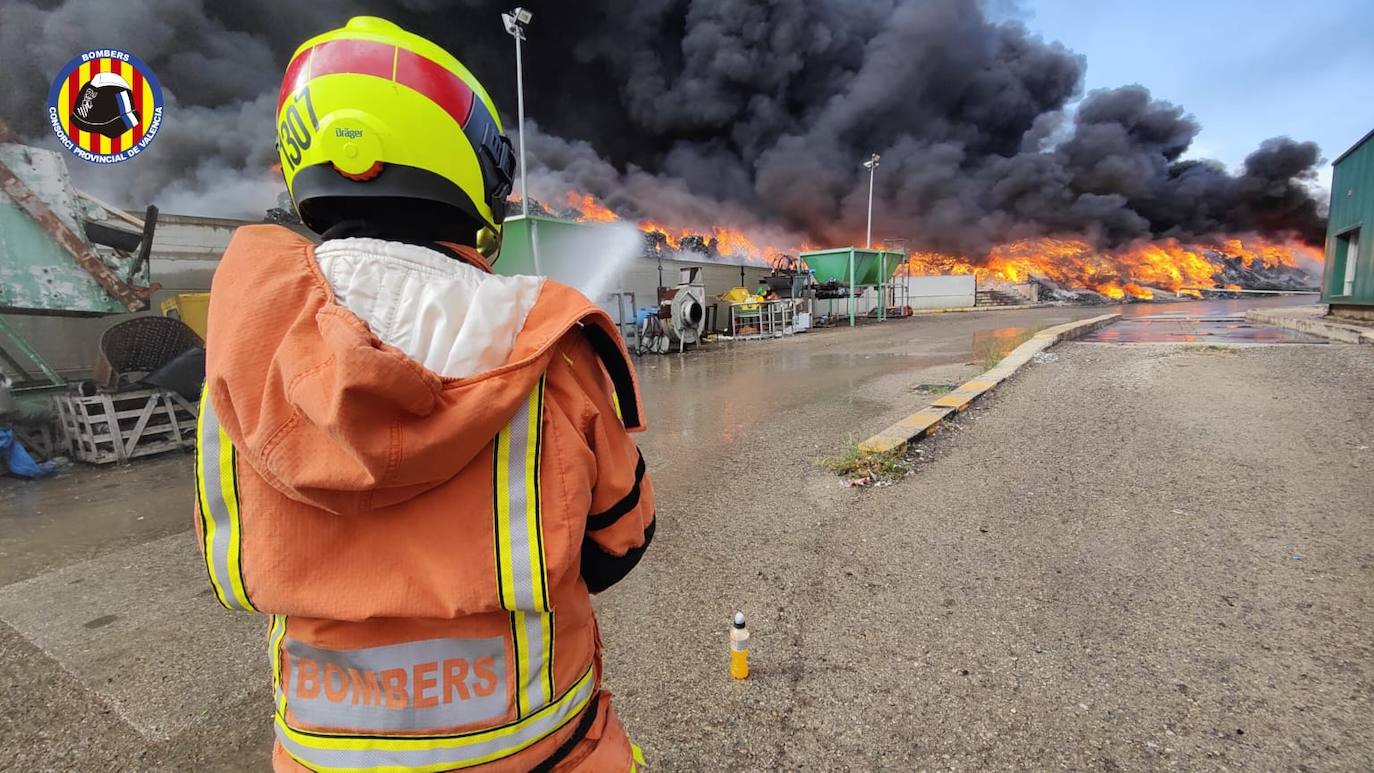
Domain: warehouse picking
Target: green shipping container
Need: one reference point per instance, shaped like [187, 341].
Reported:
[1348, 280]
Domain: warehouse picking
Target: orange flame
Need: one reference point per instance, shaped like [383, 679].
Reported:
[1268, 253]
[590, 208]
[1138, 270]
[725, 241]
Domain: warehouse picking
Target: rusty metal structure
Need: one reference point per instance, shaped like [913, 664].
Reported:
[62, 253]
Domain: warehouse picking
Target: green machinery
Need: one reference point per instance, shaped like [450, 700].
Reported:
[61, 253]
[855, 267]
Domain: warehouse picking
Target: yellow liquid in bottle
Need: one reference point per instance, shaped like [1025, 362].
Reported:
[739, 648]
[739, 664]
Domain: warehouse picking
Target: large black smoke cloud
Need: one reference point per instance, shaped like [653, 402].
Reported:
[713, 111]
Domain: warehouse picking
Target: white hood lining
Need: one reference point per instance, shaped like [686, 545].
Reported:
[453, 318]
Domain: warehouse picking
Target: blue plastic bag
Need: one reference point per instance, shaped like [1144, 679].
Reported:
[17, 459]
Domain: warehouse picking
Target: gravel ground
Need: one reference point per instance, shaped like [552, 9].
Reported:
[1129, 558]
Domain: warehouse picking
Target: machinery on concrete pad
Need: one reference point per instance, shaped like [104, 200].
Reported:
[680, 316]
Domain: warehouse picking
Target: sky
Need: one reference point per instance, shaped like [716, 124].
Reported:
[1247, 69]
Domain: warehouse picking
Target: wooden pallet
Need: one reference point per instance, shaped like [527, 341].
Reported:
[125, 425]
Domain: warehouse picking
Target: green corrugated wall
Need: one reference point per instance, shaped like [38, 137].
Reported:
[1352, 207]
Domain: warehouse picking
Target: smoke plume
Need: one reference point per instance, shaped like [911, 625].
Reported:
[744, 114]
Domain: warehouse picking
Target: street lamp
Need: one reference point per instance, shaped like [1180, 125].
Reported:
[872, 166]
[515, 22]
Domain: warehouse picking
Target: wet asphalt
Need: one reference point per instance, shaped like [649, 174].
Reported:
[1094, 571]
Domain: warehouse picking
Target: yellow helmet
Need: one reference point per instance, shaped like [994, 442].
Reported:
[371, 110]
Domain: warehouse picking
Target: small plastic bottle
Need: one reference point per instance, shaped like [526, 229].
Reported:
[739, 648]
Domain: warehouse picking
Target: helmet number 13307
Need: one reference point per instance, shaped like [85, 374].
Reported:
[294, 134]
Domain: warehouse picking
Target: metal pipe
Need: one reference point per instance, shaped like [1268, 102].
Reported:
[872, 171]
[851, 287]
[882, 287]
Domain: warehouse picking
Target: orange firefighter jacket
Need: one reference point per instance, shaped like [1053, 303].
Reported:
[425, 545]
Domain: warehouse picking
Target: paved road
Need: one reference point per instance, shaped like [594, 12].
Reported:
[867, 606]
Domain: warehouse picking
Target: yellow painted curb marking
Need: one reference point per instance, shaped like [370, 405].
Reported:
[927, 420]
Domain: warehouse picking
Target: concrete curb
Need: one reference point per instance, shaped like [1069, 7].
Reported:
[927, 420]
[1303, 320]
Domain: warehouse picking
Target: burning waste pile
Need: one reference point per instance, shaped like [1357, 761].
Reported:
[1076, 270]
[738, 129]
[697, 243]
[1065, 269]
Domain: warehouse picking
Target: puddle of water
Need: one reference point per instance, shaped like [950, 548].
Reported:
[1220, 308]
[730, 396]
[1212, 329]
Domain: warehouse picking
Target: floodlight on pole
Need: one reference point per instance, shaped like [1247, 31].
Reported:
[872, 166]
[515, 22]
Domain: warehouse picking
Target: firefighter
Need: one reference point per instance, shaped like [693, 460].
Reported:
[419, 469]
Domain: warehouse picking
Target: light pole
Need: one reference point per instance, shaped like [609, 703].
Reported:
[515, 22]
[872, 166]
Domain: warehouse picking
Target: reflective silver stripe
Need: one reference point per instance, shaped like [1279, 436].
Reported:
[534, 675]
[274, 639]
[364, 753]
[522, 576]
[428, 685]
[217, 481]
[517, 520]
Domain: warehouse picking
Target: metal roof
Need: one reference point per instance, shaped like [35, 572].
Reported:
[1352, 148]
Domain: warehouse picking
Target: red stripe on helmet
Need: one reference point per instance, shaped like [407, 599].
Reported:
[337, 57]
[433, 80]
[381, 60]
[297, 73]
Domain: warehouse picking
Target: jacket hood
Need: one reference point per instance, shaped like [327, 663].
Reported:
[331, 414]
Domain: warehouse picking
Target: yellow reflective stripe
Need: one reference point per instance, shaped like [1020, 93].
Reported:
[207, 521]
[615, 403]
[338, 752]
[524, 666]
[229, 484]
[539, 571]
[546, 621]
[505, 569]
[217, 483]
[275, 637]
[533, 525]
[522, 577]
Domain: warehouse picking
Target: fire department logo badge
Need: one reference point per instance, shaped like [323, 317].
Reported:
[105, 106]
